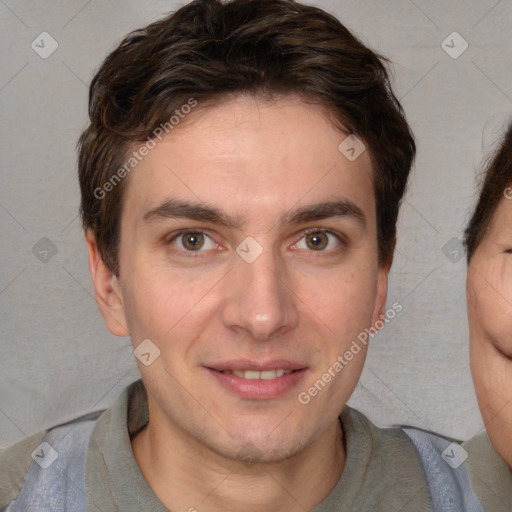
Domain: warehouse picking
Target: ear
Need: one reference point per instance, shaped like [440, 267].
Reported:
[107, 289]
[379, 310]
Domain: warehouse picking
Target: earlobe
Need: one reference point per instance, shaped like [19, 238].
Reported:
[107, 289]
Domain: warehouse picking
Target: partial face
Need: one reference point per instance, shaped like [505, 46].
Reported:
[248, 244]
[489, 296]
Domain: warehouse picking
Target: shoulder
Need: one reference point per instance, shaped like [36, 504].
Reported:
[384, 465]
[444, 462]
[51, 462]
[390, 444]
[14, 463]
[490, 476]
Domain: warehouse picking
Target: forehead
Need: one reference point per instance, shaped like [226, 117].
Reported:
[249, 155]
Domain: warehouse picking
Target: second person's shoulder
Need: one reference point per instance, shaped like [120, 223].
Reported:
[490, 475]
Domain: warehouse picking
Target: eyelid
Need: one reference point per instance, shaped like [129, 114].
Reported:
[341, 238]
[175, 235]
[334, 232]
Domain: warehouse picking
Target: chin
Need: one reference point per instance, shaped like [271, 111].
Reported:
[251, 449]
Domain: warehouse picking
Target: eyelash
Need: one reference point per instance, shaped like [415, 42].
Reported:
[195, 254]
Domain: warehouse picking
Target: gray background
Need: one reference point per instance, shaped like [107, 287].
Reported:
[58, 360]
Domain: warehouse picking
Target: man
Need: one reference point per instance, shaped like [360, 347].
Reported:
[241, 178]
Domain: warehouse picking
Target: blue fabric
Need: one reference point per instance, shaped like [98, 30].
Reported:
[450, 487]
[59, 487]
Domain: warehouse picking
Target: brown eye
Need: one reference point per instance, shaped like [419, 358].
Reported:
[191, 241]
[317, 241]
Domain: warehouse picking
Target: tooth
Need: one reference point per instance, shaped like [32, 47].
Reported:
[251, 375]
[256, 375]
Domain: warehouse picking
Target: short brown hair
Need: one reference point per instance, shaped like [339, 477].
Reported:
[208, 49]
[496, 179]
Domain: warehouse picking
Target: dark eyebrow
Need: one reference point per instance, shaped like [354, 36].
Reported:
[176, 208]
[326, 210]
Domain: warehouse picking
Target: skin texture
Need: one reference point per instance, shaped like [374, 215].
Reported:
[489, 299]
[258, 160]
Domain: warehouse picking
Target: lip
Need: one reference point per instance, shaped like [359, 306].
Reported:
[258, 389]
[259, 366]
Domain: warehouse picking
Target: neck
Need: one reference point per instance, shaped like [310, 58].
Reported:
[186, 475]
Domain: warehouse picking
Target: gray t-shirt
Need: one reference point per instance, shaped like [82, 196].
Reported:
[490, 476]
[95, 469]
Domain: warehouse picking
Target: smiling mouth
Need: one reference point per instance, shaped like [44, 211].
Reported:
[253, 381]
[257, 375]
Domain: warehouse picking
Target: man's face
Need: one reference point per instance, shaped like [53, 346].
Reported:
[489, 296]
[208, 305]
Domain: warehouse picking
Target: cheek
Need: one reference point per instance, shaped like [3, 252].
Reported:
[492, 372]
[499, 317]
[345, 301]
[159, 302]
[492, 376]
[490, 307]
